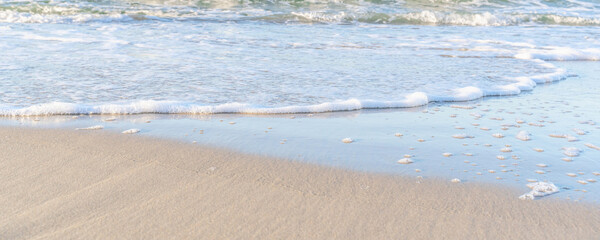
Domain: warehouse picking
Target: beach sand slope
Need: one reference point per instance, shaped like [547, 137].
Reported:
[67, 184]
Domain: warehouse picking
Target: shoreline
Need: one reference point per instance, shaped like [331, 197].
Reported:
[72, 184]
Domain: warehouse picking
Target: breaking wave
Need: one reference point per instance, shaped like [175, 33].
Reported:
[413, 12]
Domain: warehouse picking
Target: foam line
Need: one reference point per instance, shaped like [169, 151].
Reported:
[173, 107]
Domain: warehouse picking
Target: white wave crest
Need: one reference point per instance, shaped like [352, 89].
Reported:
[561, 54]
[9, 16]
[172, 107]
[478, 19]
[428, 17]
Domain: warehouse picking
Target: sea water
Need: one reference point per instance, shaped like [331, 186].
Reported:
[295, 78]
[266, 56]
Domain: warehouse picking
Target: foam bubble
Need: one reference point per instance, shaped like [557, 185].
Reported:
[539, 189]
[405, 161]
[571, 151]
[96, 127]
[523, 136]
[131, 131]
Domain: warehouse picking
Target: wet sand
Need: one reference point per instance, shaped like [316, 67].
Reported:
[64, 184]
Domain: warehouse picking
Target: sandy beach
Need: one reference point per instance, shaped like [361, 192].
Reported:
[67, 184]
[303, 119]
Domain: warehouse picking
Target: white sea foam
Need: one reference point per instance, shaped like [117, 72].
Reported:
[523, 136]
[405, 161]
[175, 107]
[31, 36]
[401, 81]
[10, 16]
[429, 17]
[96, 127]
[131, 131]
[472, 13]
[539, 189]
[560, 54]
[571, 151]
[171, 107]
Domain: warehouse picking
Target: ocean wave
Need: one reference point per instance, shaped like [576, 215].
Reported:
[446, 4]
[173, 107]
[416, 99]
[487, 53]
[10, 16]
[434, 18]
[412, 18]
[463, 13]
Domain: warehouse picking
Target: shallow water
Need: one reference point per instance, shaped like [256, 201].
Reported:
[317, 138]
[312, 73]
[123, 57]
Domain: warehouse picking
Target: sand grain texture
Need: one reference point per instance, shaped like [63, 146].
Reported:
[61, 184]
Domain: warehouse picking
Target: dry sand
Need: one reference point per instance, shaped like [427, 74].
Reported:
[63, 184]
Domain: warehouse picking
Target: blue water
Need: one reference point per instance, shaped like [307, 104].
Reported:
[172, 68]
[122, 57]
